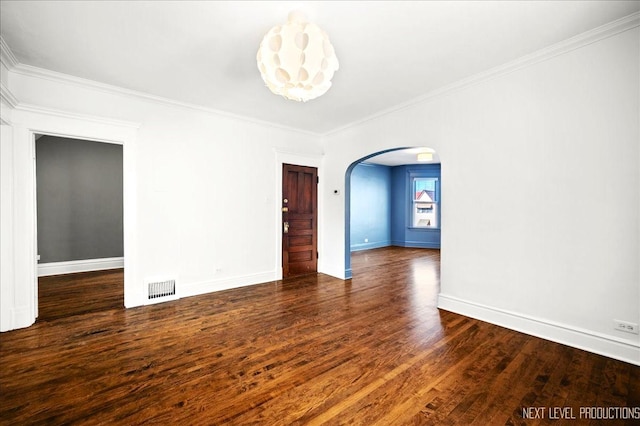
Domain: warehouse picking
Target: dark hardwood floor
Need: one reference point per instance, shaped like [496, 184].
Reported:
[309, 350]
[62, 296]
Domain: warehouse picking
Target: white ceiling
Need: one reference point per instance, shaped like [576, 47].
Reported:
[203, 53]
[403, 156]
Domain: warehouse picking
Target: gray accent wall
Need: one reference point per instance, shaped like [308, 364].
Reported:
[79, 199]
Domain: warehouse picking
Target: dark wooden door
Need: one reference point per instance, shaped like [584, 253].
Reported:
[299, 220]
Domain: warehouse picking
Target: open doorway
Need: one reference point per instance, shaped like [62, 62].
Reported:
[79, 204]
[393, 199]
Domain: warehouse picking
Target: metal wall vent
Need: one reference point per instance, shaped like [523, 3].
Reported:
[162, 289]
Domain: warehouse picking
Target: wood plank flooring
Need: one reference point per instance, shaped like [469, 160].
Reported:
[61, 296]
[312, 350]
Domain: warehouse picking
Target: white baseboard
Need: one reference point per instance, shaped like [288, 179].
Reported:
[195, 289]
[609, 346]
[19, 317]
[73, 266]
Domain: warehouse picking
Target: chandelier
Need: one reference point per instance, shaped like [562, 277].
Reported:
[296, 60]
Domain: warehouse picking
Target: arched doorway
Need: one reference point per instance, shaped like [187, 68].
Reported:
[420, 212]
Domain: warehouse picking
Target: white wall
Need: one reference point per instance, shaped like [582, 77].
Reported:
[200, 188]
[540, 193]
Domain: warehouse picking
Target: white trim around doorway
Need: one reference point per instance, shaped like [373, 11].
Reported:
[26, 122]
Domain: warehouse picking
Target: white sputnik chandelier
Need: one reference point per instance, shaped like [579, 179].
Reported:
[297, 60]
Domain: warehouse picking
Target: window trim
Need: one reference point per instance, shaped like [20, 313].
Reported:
[412, 175]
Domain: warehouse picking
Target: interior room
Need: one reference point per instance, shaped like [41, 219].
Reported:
[320, 212]
[79, 225]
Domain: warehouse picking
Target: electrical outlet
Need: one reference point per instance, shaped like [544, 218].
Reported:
[629, 327]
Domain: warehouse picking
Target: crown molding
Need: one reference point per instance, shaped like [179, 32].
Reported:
[12, 102]
[36, 72]
[8, 102]
[7, 97]
[573, 43]
[6, 55]
[600, 33]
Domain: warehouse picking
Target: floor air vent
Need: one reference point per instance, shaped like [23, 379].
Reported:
[162, 289]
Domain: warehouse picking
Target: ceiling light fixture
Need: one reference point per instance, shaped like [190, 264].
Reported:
[296, 60]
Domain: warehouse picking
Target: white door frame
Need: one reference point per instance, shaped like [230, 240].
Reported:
[26, 122]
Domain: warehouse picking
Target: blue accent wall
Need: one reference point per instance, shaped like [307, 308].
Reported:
[399, 207]
[402, 233]
[380, 208]
[370, 206]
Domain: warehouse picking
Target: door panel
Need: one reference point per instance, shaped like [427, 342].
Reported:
[299, 220]
[303, 240]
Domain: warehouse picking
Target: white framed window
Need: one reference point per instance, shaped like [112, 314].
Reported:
[425, 196]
